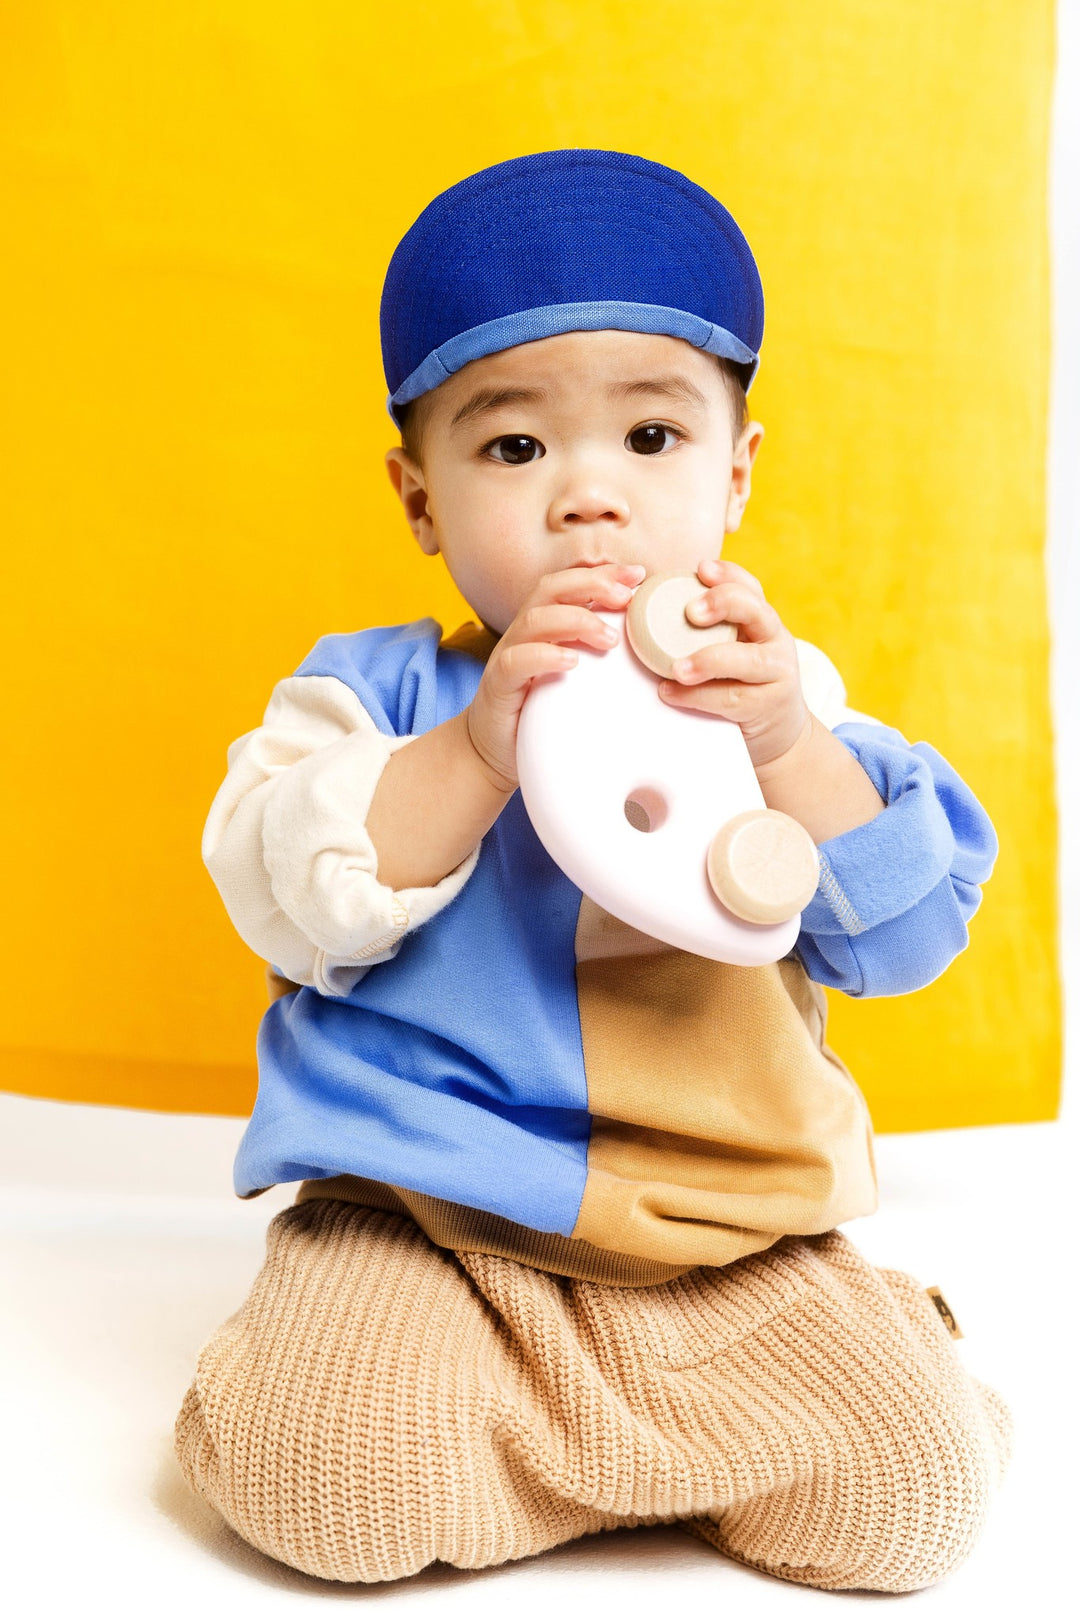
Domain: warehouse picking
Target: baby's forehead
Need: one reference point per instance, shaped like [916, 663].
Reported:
[607, 346]
[594, 366]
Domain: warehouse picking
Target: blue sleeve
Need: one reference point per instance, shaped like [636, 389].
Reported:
[896, 895]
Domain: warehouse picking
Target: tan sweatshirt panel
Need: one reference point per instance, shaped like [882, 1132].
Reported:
[721, 1121]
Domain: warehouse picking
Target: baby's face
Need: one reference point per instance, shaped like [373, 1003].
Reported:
[584, 448]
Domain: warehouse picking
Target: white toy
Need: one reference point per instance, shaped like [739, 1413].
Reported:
[653, 811]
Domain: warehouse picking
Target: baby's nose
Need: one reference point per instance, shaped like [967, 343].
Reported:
[589, 504]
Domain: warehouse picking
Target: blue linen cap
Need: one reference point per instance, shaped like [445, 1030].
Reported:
[566, 241]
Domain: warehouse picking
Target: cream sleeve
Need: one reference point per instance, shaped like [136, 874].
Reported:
[286, 843]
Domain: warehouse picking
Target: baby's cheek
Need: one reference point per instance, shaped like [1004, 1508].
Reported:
[703, 529]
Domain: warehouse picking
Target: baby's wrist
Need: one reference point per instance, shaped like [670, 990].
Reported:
[777, 762]
[819, 782]
[497, 780]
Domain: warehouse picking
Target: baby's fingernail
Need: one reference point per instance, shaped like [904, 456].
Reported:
[698, 609]
[682, 666]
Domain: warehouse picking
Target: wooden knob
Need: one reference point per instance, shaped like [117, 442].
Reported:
[656, 623]
[763, 866]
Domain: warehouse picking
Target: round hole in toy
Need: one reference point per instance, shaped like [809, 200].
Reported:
[645, 809]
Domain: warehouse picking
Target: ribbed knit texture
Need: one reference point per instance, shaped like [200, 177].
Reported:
[379, 1403]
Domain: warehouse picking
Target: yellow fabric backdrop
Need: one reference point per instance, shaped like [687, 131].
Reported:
[199, 204]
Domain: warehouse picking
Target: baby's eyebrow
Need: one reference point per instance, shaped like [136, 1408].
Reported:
[673, 387]
[491, 399]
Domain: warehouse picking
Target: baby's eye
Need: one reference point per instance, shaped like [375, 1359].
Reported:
[650, 438]
[516, 449]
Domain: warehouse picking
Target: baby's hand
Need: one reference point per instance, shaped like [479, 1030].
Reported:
[754, 680]
[558, 611]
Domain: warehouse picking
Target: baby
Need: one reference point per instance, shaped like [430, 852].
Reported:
[564, 1254]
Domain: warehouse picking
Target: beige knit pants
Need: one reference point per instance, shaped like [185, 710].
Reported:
[379, 1403]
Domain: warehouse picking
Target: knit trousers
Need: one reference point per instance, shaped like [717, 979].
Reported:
[379, 1403]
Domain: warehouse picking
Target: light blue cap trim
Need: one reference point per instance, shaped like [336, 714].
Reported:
[527, 326]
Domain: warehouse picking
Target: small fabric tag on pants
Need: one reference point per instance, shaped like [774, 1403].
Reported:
[941, 1305]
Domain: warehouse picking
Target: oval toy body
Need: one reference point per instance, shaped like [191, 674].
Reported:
[627, 793]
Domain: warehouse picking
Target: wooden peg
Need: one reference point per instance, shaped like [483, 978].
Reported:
[656, 623]
[763, 866]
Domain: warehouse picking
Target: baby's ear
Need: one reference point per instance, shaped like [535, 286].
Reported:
[411, 490]
[742, 461]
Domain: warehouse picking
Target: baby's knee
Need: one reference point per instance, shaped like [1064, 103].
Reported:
[288, 1475]
[927, 1447]
[296, 1428]
[891, 1502]
[233, 1441]
[926, 1498]
[195, 1450]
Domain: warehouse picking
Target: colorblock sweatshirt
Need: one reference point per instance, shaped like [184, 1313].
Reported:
[513, 1067]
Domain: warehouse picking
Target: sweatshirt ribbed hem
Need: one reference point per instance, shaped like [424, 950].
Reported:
[476, 1231]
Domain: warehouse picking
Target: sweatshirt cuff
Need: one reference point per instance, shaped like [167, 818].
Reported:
[885, 867]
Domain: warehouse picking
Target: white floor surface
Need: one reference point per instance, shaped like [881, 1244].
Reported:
[122, 1250]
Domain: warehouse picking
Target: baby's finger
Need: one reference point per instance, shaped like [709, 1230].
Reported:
[753, 663]
[722, 572]
[736, 603]
[726, 698]
[608, 584]
[512, 666]
[560, 621]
